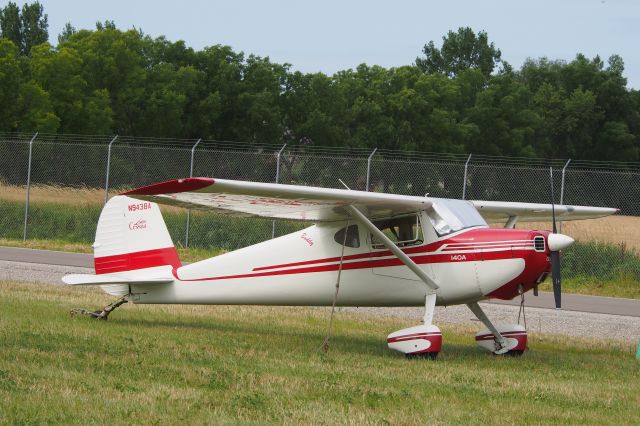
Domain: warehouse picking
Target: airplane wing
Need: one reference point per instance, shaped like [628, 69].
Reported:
[501, 211]
[291, 202]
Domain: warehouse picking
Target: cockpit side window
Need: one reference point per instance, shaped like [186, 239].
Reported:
[353, 236]
[403, 231]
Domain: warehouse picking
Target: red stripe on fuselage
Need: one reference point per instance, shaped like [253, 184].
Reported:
[381, 263]
[137, 260]
[472, 239]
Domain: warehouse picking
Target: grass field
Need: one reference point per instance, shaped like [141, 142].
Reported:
[257, 365]
[53, 194]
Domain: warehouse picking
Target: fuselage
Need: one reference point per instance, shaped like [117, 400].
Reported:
[302, 268]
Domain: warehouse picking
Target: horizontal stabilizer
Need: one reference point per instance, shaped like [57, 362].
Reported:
[86, 279]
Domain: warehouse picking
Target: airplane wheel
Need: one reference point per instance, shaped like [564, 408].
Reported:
[424, 355]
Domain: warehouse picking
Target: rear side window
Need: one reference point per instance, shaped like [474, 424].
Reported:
[353, 236]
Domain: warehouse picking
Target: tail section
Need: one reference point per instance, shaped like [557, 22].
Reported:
[132, 235]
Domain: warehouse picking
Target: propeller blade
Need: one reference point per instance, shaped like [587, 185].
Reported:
[555, 275]
[535, 290]
[553, 209]
[555, 254]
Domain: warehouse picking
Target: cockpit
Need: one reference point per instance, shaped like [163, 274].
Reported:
[448, 215]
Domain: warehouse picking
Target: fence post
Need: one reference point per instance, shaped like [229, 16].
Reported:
[273, 223]
[562, 187]
[186, 232]
[369, 167]
[106, 184]
[464, 181]
[26, 205]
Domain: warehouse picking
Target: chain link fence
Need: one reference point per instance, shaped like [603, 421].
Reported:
[54, 186]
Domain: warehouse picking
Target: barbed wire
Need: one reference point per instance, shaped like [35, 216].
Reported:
[310, 149]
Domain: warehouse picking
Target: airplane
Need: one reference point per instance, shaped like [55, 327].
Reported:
[364, 249]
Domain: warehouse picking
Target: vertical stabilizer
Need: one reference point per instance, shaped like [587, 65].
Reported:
[132, 235]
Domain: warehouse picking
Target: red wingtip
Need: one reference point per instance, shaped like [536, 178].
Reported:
[172, 186]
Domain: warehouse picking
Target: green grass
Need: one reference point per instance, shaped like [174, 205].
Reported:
[605, 261]
[257, 365]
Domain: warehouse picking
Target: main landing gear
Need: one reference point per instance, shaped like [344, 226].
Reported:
[421, 341]
[425, 341]
[104, 313]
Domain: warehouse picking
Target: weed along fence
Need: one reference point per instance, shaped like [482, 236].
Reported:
[54, 186]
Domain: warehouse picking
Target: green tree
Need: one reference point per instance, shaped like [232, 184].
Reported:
[98, 113]
[452, 100]
[506, 119]
[59, 73]
[585, 108]
[615, 141]
[27, 27]
[35, 26]
[10, 80]
[460, 51]
[11, 24]
[313, 108]
[67, 32]
[36, 111]
[113, 60]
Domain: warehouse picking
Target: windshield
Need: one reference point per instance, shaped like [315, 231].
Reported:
[449, 215]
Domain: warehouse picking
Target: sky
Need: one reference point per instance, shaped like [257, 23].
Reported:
[333, 35]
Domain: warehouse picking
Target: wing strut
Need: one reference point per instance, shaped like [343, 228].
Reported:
[511, 222]
[357, 214]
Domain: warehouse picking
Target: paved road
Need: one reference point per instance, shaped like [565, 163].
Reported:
[46, 257]
[570, 302]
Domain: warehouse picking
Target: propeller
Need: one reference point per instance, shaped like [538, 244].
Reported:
[555, 254]
[556, 242]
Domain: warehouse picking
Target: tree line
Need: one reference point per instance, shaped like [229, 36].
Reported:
[459, 96]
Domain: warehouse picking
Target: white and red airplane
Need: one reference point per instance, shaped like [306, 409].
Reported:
[378, 249]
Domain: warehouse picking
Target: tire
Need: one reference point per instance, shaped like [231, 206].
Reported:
[424, 355]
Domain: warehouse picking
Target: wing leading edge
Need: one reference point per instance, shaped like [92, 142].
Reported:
[291, 202]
